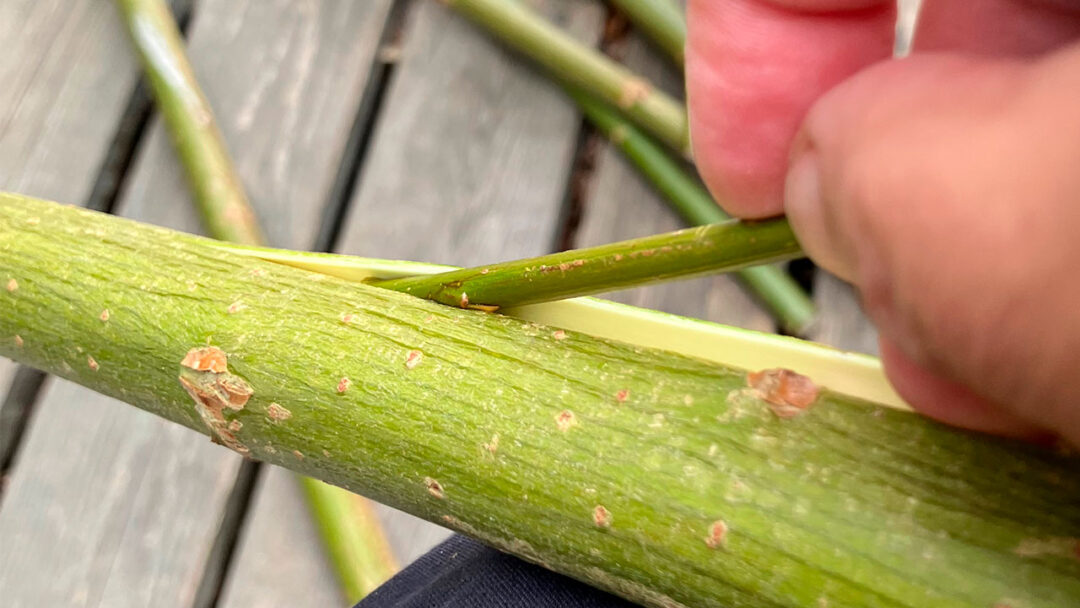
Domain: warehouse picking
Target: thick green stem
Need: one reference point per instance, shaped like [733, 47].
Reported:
[350, 528]
[573, 62]
[784, 298]
[216, 186]
[662, 21]
[681, 254]
[356, 544]
[665, 479]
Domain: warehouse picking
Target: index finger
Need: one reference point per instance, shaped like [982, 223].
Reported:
[753, 69]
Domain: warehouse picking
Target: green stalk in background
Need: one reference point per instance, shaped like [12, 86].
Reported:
[570, 61]
[355, 541]
[666, 479]
[783, 297]
[217, 188]
[681, 254]
[662, 21]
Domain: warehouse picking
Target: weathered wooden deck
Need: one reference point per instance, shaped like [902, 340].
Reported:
[377, 127]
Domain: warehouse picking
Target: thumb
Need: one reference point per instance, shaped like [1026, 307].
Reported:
[945, 188]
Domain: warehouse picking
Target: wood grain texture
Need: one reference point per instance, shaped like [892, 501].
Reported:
[841, 321]
[469, 164]
[281, 561]
[621, 204]
[94, 521]
[57, 55]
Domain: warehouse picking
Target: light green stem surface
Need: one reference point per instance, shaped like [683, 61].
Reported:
[662, 20]
[662, 478]
[570, 61]
[217, 188]
[662, 257]
[783, 297]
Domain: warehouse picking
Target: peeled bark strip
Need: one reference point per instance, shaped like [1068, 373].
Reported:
[667, 480]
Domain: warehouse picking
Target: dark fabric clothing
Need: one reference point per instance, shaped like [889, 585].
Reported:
[463, 573]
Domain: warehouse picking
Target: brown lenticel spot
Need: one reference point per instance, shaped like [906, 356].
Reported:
[787, 393]
[434, 488]
[564, 420]
[343, 385]
[717, 534]
[206, 359]
[277, 412]
[601, 517]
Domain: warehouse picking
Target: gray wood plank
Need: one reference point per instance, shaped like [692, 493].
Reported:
[469, 164]
[622, 205]
[841, 321]
[57, 55]
[109, 505]
[281, 561]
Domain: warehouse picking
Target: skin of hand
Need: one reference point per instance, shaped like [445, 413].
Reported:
[945, 186]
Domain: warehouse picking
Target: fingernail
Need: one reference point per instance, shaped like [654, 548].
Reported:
[805, 208]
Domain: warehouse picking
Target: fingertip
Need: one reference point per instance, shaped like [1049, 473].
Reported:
[949, 402]
[753, 69]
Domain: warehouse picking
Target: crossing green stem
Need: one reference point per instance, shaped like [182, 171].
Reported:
[354, 539]
[661, 20]
[783, 297]
[681, 254]
[570, 61]
[217, 188]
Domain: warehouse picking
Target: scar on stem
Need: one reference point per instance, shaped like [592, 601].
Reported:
[277, 412]
[204, 375]
[343, 384]
[434, 488]
[717, 535]
[788, 394]
[633, 91]
[601, 516]
[564, 420]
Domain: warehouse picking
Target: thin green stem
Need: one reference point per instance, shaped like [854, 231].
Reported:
[350, 528]
[681, 254]
[358, 549]
[662, 21]
[783, 297]
[217, 188]
[570, 61]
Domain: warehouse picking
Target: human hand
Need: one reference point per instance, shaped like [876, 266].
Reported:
[945, 186]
